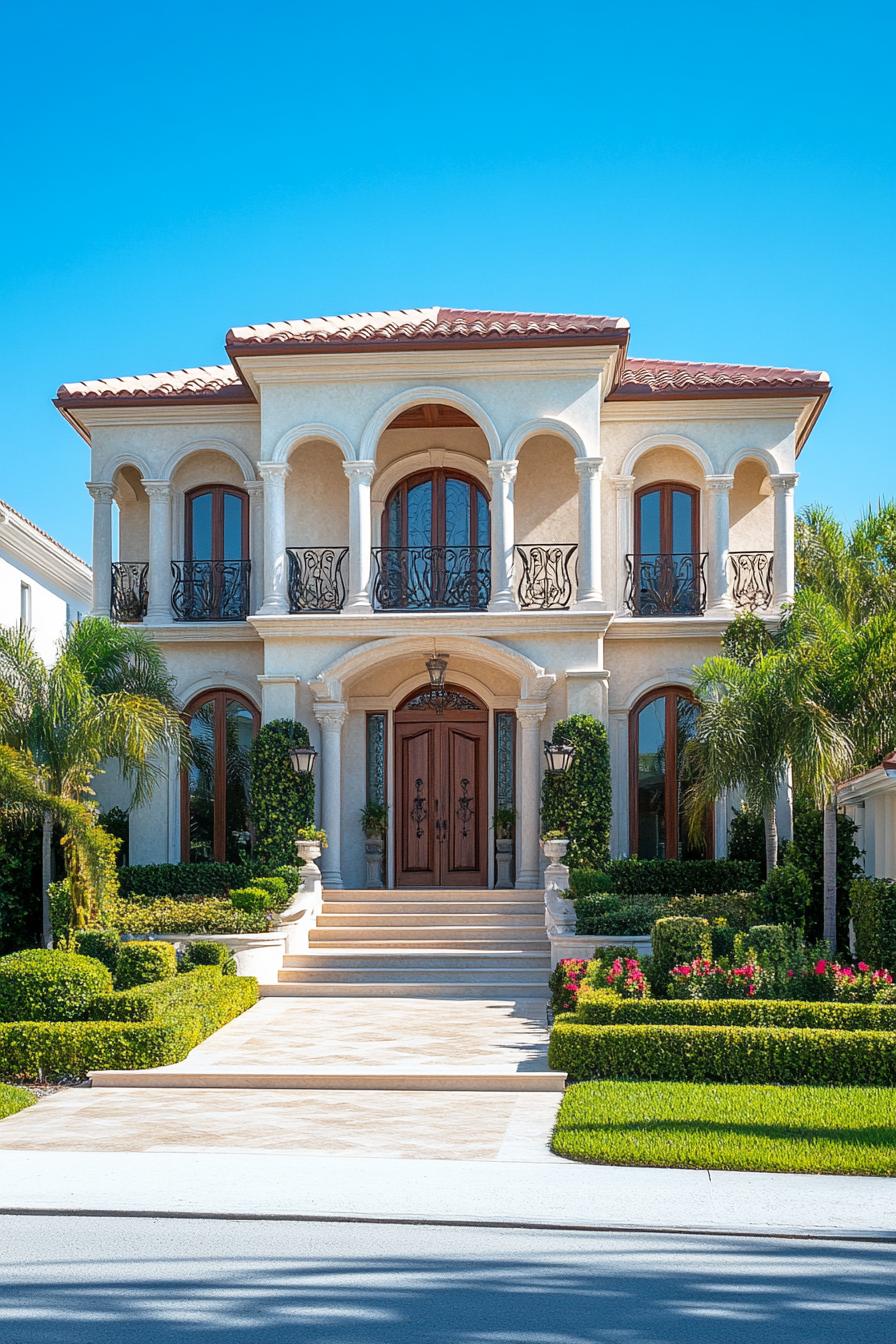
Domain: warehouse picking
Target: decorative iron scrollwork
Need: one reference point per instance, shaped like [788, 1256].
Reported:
[130, 591]
[546, 583]
[448, 699]
[466, 807]
[419, 811]
[210, 590]
[666, 584]
[428, 578]
[316, 581]
[752, 576]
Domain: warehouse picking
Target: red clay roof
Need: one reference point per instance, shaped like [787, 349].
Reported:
[428, 327]
[215, 382]
[668, 378]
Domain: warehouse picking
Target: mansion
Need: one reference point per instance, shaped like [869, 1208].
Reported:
[304, 528]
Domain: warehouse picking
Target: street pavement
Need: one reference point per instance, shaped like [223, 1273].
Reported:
[101, 1280]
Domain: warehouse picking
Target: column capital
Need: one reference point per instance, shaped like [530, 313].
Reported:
[721, 484]
[331, 716]
[501, 471]
[157, 489]
[253, 487]
[102, 492]
[273, 471]
[588, 466]
[785, 481]
[530, 713]
[624, 484]
[361, 471]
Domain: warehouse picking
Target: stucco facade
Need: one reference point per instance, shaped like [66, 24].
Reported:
[319, 436]
[42, 584]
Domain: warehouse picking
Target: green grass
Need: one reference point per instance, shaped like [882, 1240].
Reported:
[730, 1127]
[14, 1099]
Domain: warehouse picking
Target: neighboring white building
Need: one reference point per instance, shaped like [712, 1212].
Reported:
[42, 584]
[870, 801]
[305, 527]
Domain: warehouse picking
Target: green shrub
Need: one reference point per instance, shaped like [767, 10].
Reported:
[772, 944]
[209, 954]
[291, 874]
[101, 944]
[49, 986]
[677, 939]
[589, 882]
[873, 902]
[723, 1054]
[722, 935]
[620, 913]
[156, 880]
[784, 896]
[277, 889]
[142, 963]
[282, 801]
[682, 877]
[173, 916]
[578, 802]
[20, 888]
[145, 1028]
[61, 913]
[600, 1008]
[251, 900]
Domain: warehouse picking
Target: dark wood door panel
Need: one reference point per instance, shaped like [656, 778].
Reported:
[417, 859]
[463, 847]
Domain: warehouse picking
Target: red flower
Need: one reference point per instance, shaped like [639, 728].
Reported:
[820, 967]
[863, 966]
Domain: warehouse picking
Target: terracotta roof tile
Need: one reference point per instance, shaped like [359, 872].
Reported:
[215, 382]
[405, 326]
[667, 378]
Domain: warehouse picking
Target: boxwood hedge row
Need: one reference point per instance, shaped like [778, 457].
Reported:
[601, 1007]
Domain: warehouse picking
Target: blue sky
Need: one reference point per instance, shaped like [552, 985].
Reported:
[722, 176]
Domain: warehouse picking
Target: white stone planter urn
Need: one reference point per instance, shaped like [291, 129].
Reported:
[308, 851]
[503, 863]
[559, 911]
[374, 847]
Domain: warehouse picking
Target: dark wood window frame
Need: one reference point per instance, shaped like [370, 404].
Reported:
[671, 694]
[217, 492]
[220, 696]
[665, 489]
[438, 476]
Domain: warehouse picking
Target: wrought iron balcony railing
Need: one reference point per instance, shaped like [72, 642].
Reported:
[666, 584]
[751, 579]
[547, 578]
[210, 590]
[431, 578]
[130, 591]
[316, 581]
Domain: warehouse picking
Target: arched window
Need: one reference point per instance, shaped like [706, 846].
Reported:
[667, 571]
[215, 813]
[435, 550]
[213, 582]
[660, 726]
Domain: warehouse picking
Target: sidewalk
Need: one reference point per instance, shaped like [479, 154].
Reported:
[503, 1192]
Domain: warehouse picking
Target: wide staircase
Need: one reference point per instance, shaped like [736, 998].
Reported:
[422, 944]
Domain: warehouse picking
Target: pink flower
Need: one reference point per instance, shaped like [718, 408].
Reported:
[820, 967]
[790, 975]
[863, 966]
[751, 990]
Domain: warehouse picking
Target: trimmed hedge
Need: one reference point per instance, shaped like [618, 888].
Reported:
[183, 879]
[683, 877]
[578, 802]
[602, 1007]
[873, 902]
[723, 1054]
[620, 913]
[49, 986]
[140, 1028]
[101, 944]
[144, 963]
[174, 916]
[209, 954]
[282, 801]
[675, 940]
[253, 901]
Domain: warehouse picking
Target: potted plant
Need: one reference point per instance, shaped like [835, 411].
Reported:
[504, 823]
[375, 824]
[555, 845]
[560, 913]
[310, 840]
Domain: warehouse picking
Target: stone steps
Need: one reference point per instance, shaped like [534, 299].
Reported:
[342, 959]
[436, 1078]
[446, 936]
[438, 919]
[532, 909]
[533, 987]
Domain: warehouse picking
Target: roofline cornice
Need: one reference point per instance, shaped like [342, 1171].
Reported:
[45, 557]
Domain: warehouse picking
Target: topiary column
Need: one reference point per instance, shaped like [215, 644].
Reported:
[282, 801]
[579, 801]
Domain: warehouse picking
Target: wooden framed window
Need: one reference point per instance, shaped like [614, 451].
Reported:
[660, 725]
[215, 800]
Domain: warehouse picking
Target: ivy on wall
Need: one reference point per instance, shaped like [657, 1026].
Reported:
[579, 802]
[282, 801]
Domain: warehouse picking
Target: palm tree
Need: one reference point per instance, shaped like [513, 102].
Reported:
[108, 696]
[854, 571]
[757, 720]
[850, 663]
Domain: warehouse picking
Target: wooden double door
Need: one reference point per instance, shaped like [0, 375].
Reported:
[441, 795]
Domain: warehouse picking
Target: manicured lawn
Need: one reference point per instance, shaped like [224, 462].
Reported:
[733, 1127]
[14, 1099]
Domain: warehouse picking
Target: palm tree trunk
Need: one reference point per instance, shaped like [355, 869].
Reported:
[46, 926]
[830, 873]
[771, 839]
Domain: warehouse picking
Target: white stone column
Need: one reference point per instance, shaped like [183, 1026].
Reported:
[718, 576]
[273, 475]
[783, 576]
[158, 610]
[590, 592]
[103, 495]
[529, 716]
[255, 491]
[360, 475]
[625, 486]
[331, 716]
[503, 536]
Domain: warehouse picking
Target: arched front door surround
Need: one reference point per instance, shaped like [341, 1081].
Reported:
[441, 791]
[215, 802]
[660, 724]
[435, 551]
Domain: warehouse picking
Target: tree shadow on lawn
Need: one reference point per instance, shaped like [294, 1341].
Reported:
[871, 1136]
[348, 1284]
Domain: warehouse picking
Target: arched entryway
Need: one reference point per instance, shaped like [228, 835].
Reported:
[441, 790]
